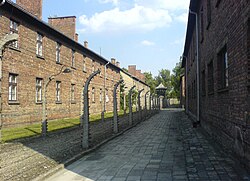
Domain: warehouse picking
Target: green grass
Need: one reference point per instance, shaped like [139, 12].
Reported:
[9, 134]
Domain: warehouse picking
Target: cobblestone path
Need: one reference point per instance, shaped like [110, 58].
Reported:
[165, 147]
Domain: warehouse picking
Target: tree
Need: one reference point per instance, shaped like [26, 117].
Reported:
[175, 80]
[150, 81]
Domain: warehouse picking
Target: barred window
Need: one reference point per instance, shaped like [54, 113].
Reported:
[58, 91]
[210, 77]
[39, 89]
[14, 29]
[12, 87]
[58, 52]
[39, 45]
[223, 68]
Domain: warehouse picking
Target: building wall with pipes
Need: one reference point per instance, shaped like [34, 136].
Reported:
[23, 63]
[224, 57]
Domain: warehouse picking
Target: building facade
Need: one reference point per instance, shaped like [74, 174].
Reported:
[38, 60]
[217, 69]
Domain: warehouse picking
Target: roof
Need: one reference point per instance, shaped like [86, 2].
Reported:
[161, 86]
[190, 28]
[45, 28]
[18, 11]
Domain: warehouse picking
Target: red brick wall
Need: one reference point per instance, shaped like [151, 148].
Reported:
[32, 6]
[67, 25]
[222, 110]
[132, 70]
[28, 66]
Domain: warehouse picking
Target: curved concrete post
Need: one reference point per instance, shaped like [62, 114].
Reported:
[115, 127]
[139, 103]
[130, 106]
[3, 42]
[85, 117]
[146, 109]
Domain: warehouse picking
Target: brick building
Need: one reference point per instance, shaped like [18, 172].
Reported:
[218, 87]
[137, 73]
[43, 50]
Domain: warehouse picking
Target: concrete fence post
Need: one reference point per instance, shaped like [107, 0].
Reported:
[146, 109]
[130, 106]
[115, 126]
[139, 103]
[85, 117]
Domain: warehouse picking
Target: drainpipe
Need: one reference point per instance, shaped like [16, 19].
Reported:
[197, 65]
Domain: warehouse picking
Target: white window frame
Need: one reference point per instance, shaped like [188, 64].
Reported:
[58, 91]
[58, 52]
[39, 89]
[13, 87]
[39, 45]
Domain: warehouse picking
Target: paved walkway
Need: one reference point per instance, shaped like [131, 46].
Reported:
[163, 148]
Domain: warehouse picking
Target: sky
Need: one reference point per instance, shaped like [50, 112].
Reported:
[147, 33]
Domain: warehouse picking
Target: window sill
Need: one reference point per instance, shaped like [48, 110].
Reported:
[84, 71]
[15, 49]
[73, 68]
[73, 102]
[39, 103]
[14, 103]
[223, 90]
[41, 57]
[58, 102]
[59, 63]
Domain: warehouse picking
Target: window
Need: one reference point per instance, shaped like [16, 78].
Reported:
[93, 94]
[73, 58]
[12, 87]
[203, 83]
[100, 95]
[202, 23]
[14, 29]
[39, 89]
[72, 92]
[208, 13]
[210, 77]
[84, 64]
[58, 91]
[223, 68]
[58, 51]
[39, 45]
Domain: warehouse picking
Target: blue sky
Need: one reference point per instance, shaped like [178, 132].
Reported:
[146, 33]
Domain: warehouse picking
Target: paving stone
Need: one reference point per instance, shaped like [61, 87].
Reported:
[165, 147]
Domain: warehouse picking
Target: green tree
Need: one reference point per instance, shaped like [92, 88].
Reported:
[164, 77]
[149, 79]
[175, 80]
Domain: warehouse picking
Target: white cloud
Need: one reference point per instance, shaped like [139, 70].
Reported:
[182, 18]
[114, 2]
[165, 4]
[147, 43]
[136, 18]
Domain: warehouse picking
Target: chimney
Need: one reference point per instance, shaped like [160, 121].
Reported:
[86, 44]
[113, 61]
[76, 37]
[132, 70]
[66, 24]
[118, 64]
[32, 6]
